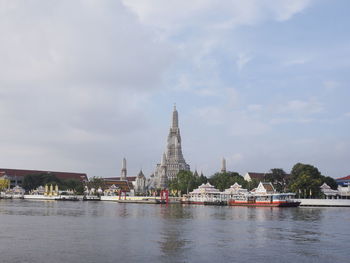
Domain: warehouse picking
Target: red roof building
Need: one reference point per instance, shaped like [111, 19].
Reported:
[16, 175]
[343, 181]
[257, 176]
[109, 181]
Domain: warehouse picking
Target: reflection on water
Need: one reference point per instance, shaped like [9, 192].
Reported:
[112, 232]
[172, 241]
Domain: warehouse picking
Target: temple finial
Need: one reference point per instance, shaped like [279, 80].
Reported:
[175, 118]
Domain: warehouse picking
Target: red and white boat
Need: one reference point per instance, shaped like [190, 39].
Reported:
[270, 200]
[263, 195]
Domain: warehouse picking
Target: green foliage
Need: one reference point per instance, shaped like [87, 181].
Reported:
[278, 178]
[96, 182]
[331, 182]
[185, 182]
[33, 181]
[73, 184]
[306, 180]
[252, 184]
[4, 184]
[202, 179]
[223, 181]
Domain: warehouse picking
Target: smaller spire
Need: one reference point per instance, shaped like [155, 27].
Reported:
[123, 173]
[141, 174]
[223, 165]
[163, 160]
[124, 163]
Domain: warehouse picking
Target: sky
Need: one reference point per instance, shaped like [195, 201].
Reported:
[263, 83]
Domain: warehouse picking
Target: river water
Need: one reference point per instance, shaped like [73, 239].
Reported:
[51, 231]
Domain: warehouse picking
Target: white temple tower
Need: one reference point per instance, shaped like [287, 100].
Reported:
[123, 173]
[223, 165]
[163, 178]
[173, 160]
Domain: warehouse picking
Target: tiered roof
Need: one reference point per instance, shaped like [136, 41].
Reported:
[235, 189]
[264, 187]
[205, 189]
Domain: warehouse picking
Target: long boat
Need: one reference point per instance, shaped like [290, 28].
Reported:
[142, 201]
[267, 200]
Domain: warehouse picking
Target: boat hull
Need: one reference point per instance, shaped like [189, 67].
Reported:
[219, 203]
[142, 201]
[264, 204]
[187, 202]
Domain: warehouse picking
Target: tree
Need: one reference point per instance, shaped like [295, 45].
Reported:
[33, 181]
[4, 184]
[300, 168]
[306, 180]
[184, 182]
[252, 184]
[202, 179]
[331, 182]
[96, 182]
[223, 181]
[278, 178]
[73, 184]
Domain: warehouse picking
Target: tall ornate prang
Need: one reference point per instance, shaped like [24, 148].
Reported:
[173, 160]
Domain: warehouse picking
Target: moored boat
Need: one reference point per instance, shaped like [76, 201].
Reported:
[267, 200]
[91, 198]
[142, 201]
[264, 195]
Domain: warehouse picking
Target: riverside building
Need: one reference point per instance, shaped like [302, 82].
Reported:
[16, 176]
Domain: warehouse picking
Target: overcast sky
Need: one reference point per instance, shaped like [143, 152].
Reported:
[263, 83]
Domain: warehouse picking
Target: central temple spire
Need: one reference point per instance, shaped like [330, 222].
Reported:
[173, 160]
[175, 118]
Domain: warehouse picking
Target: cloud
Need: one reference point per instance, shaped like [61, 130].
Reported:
[296, 111]
[298, 61]
[237, 157]
[172, 16]
[211, 115]
[235, 123]
[330, 85]
[254, 107]
[302, 106]
[242, 60]
[76, 77]
[84, 83]
[283, 120]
